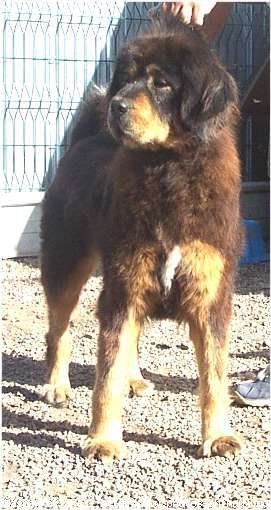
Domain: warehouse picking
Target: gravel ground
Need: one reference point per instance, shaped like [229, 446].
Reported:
[43, 466]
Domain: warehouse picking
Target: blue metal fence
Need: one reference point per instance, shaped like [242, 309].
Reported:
[52, 50]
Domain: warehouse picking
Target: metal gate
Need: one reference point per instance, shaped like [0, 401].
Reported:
[52, 50]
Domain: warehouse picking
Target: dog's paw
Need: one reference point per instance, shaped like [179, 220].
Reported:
[103, 449]
[224, 446]
[58, 395]
[140, 387]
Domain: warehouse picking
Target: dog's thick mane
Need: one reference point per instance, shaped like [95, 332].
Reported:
[166, 24]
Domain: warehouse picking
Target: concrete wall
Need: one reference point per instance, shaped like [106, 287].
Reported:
[20, 224]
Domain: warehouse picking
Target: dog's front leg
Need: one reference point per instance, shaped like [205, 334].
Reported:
[212, 357]
[117, 333]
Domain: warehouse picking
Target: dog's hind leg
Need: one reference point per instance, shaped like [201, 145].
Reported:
[138, 385]
[59, 344]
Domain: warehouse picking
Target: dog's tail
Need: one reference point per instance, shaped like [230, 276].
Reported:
[89, 119]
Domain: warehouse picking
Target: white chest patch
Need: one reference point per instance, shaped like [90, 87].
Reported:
[173, 260]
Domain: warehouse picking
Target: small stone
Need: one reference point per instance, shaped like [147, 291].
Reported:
[183, 347]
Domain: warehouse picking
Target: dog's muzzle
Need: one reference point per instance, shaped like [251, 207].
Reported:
[119, 108]
[118, 116]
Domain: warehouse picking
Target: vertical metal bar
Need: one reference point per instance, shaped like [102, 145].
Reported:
[5, 103]
[249, 148]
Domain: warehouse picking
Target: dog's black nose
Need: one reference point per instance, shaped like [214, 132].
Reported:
[119, 106]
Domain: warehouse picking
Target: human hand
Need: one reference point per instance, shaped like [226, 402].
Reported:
[191, 12]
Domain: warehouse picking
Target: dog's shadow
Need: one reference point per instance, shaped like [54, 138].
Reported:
[22, 370]
[38, 434]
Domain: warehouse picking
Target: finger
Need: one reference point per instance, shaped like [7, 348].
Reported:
[197, 15]
[176, 7]
[186, 13]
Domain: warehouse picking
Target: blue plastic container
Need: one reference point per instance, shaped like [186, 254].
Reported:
[255, 249]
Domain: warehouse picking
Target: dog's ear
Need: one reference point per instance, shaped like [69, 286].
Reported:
[206, 105]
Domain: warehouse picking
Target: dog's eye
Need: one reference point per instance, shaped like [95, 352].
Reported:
[159, 82]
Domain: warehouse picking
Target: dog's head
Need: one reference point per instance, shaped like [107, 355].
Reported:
[168, 85]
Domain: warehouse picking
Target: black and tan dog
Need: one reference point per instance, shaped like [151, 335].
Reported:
[150, 187]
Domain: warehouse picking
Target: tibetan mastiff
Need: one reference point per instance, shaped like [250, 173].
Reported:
[150, 189]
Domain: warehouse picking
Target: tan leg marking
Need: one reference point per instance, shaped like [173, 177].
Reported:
[203, 266]
[212, 357]
[59, 343]
[59, 390]
[112, 380]
[138, 385]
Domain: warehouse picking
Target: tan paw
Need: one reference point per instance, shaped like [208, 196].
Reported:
[103, 449]
[224, 446]
[140, 387]
[58, 395]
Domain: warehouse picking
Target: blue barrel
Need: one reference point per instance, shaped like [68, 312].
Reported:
[255, 249]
